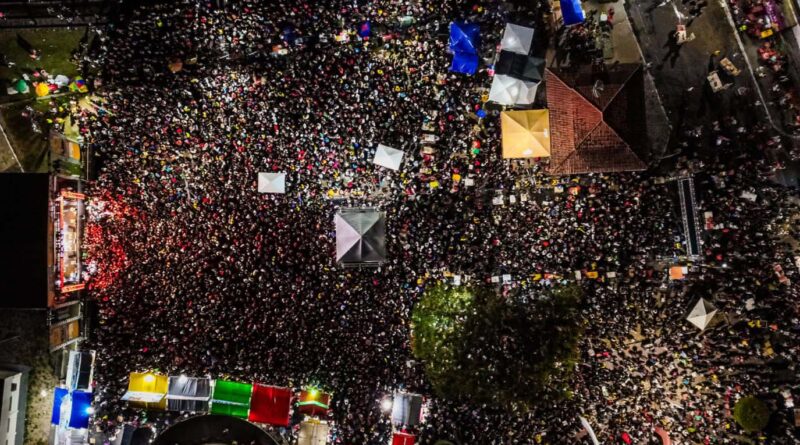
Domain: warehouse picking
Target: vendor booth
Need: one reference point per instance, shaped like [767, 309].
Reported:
[270, 405]
[231, 398]
[147, 390]
[407, 409]
[189, 394]
[314, 402]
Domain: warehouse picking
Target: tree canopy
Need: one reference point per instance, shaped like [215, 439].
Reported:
[479, 345]
[751, 414]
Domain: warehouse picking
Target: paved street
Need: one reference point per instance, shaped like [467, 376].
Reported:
[683, 84]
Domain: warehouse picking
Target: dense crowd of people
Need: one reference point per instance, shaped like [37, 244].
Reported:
[194, 272]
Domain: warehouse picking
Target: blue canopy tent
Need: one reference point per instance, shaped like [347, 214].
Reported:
[77, 405]
[572, 12]
[464, 63]
[464, 38]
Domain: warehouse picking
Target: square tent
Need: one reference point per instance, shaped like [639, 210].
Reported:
[702, 314]
[314, 402]
[509, 91]
[231, 398]
[464, 37]
[572, 12]
[313, 432]
[360, 236]
[517, 39]
[190, 394]
[518, 66]
[464, 63]
[147, 390]
[80, 370]
[71, 409]
[272, 183]
[407, 409]
[270, 405]
[388, 157]
[526, 134]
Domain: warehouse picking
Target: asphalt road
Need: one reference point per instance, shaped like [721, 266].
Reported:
[683, 84]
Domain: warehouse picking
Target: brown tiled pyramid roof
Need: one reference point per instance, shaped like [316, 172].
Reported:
[601, 131]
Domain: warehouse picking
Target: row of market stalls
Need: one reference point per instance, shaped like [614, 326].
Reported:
[258, 403]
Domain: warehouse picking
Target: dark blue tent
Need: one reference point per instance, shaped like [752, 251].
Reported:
[464, 63]
[79, 411]
[464, 38]
[572, 12]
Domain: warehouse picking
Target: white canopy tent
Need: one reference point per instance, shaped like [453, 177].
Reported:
[388, 157]
[509, 91]
[313, 432]
[272, 183]
[407, 409]
[702, 314]
[188, 394]
[360, 236]
[517, 39]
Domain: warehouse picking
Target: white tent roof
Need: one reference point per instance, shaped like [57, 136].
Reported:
[406, 409]
[313, 433]
[702, 314]
[360, 236]
[517, 39]
[388, 157]
[509, 91]
[272, 183]
[143, 397]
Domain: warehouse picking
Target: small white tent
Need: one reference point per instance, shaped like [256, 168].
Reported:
[702, 314]
[313, 432]
[272, 183]
[407, 409]
[517, 39]
[388, 157]
[509, 91]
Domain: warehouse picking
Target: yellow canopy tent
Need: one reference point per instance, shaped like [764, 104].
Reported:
[147, 390]
[526, 133]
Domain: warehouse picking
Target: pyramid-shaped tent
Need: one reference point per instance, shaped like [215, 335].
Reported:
[464, 37]
[272, 183]
[509, 91]
[388, 157]
[597, 120]
[519, 66]
[526, 133]
[702, 314]
[360, 236]
[517, 39]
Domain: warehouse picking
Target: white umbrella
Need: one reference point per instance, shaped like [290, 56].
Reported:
[388, 157]
[517, 39]
[272, 183]
[509, 91]
[702, 314]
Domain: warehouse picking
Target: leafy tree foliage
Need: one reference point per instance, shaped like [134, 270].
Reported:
[751, 414]
[479, 345]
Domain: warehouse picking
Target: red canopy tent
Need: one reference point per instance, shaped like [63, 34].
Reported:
[270, 405]
[403, 439]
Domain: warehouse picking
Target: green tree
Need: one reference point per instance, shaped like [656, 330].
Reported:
[751, 414]
[479, 345]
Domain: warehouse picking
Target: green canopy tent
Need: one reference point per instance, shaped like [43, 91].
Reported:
[231, 398]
